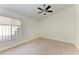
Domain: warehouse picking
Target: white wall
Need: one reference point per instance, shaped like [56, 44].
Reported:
[30, 27]
[77, 26]
[60, 26]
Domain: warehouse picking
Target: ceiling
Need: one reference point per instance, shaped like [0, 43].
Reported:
[30, 10]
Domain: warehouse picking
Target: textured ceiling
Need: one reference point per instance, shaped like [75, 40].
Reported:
[30, 10]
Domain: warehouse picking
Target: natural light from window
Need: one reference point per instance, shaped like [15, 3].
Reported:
[9, 28]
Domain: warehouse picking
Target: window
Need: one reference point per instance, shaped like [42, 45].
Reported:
[10, 29]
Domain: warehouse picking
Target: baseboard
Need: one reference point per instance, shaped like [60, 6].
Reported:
[56, 40]
[18, 44]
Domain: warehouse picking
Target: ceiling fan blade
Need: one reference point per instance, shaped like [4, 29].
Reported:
[50, 11]
[40, 9]
[48, 7]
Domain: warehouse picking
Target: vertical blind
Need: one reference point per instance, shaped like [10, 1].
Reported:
[10, 29]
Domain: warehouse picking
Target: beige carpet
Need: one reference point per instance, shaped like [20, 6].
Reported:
[43, 46]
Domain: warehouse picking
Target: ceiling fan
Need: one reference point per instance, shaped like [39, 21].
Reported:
[45, 9]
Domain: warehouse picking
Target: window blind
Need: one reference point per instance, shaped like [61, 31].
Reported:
[10, 29]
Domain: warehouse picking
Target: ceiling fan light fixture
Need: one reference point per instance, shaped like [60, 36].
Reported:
[44, 13]
[45, 9]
